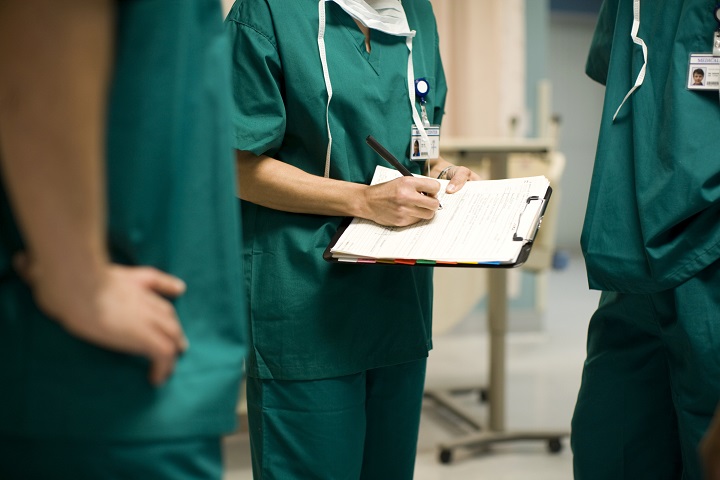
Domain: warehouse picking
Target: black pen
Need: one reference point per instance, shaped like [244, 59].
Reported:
[390, 158]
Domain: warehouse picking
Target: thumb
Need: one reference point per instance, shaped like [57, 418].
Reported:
[161, 282]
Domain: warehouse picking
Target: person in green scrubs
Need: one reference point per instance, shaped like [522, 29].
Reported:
[651, 240]
[122, 323]
[337, 359]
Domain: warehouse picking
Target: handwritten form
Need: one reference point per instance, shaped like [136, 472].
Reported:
[477, 224]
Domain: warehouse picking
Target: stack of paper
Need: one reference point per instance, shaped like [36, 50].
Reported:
[485, 222]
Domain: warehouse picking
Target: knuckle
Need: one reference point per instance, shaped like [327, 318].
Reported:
[174, 328]
[165, 351]
[166, 309]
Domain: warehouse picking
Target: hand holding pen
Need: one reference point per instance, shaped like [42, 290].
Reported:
[399, 202]
[390, 158]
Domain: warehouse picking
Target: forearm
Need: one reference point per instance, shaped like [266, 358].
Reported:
[280, 186]
[53, 90]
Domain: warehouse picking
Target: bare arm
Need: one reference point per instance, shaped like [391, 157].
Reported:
[278, 185]
[710, 449]
[55, 61]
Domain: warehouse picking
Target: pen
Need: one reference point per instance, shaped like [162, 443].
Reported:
[390, 158]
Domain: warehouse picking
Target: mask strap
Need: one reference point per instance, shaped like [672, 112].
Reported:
[328, 85]
[638, 41]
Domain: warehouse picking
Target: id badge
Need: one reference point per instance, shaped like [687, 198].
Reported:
[420, 150]
[703, 72]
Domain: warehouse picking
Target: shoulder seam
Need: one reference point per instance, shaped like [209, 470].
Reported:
[252, 27]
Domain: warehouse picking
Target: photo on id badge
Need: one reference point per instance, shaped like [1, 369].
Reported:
[703, 72]
[421, 150]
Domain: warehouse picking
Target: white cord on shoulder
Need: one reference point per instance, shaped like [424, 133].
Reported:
[638, 41]
[328, 85]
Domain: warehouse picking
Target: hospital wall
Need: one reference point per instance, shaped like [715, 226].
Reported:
[578, 101]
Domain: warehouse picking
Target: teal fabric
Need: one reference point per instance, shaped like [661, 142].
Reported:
[356, 427]
[650, 383]
[172, 205]
[26, 459]
[654, 201]
[312, 319]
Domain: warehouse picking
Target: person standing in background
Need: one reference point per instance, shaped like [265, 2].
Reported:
[122, 330]
[651, 240]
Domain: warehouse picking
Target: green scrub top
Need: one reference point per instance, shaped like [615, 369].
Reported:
[172, 205]
[652, 217]
[311, 319]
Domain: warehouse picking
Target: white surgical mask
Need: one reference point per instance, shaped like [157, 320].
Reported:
[387, 16]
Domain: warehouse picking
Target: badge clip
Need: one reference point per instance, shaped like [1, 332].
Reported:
[422, 87]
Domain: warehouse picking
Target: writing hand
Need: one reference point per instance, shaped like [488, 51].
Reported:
[400, 202]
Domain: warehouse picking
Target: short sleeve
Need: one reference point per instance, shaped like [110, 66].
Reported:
[258, 116]
[441, 84]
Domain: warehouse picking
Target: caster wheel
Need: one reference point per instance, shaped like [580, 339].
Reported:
[445, 456]
[484, 395]
[554, 445]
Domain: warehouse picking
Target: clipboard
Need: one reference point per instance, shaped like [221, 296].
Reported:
[519, 261]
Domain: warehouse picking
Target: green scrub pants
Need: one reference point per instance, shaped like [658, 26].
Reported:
[650, 383]
[194, 459]
[356, 427]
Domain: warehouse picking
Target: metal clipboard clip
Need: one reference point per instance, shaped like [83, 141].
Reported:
[518, 238]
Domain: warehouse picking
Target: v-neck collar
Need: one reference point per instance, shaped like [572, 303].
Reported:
[357, 36]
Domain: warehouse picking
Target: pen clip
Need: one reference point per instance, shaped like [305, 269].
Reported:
[516, 237]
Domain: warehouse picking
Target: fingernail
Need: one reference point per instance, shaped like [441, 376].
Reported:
[184, 344]
[450, 188]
